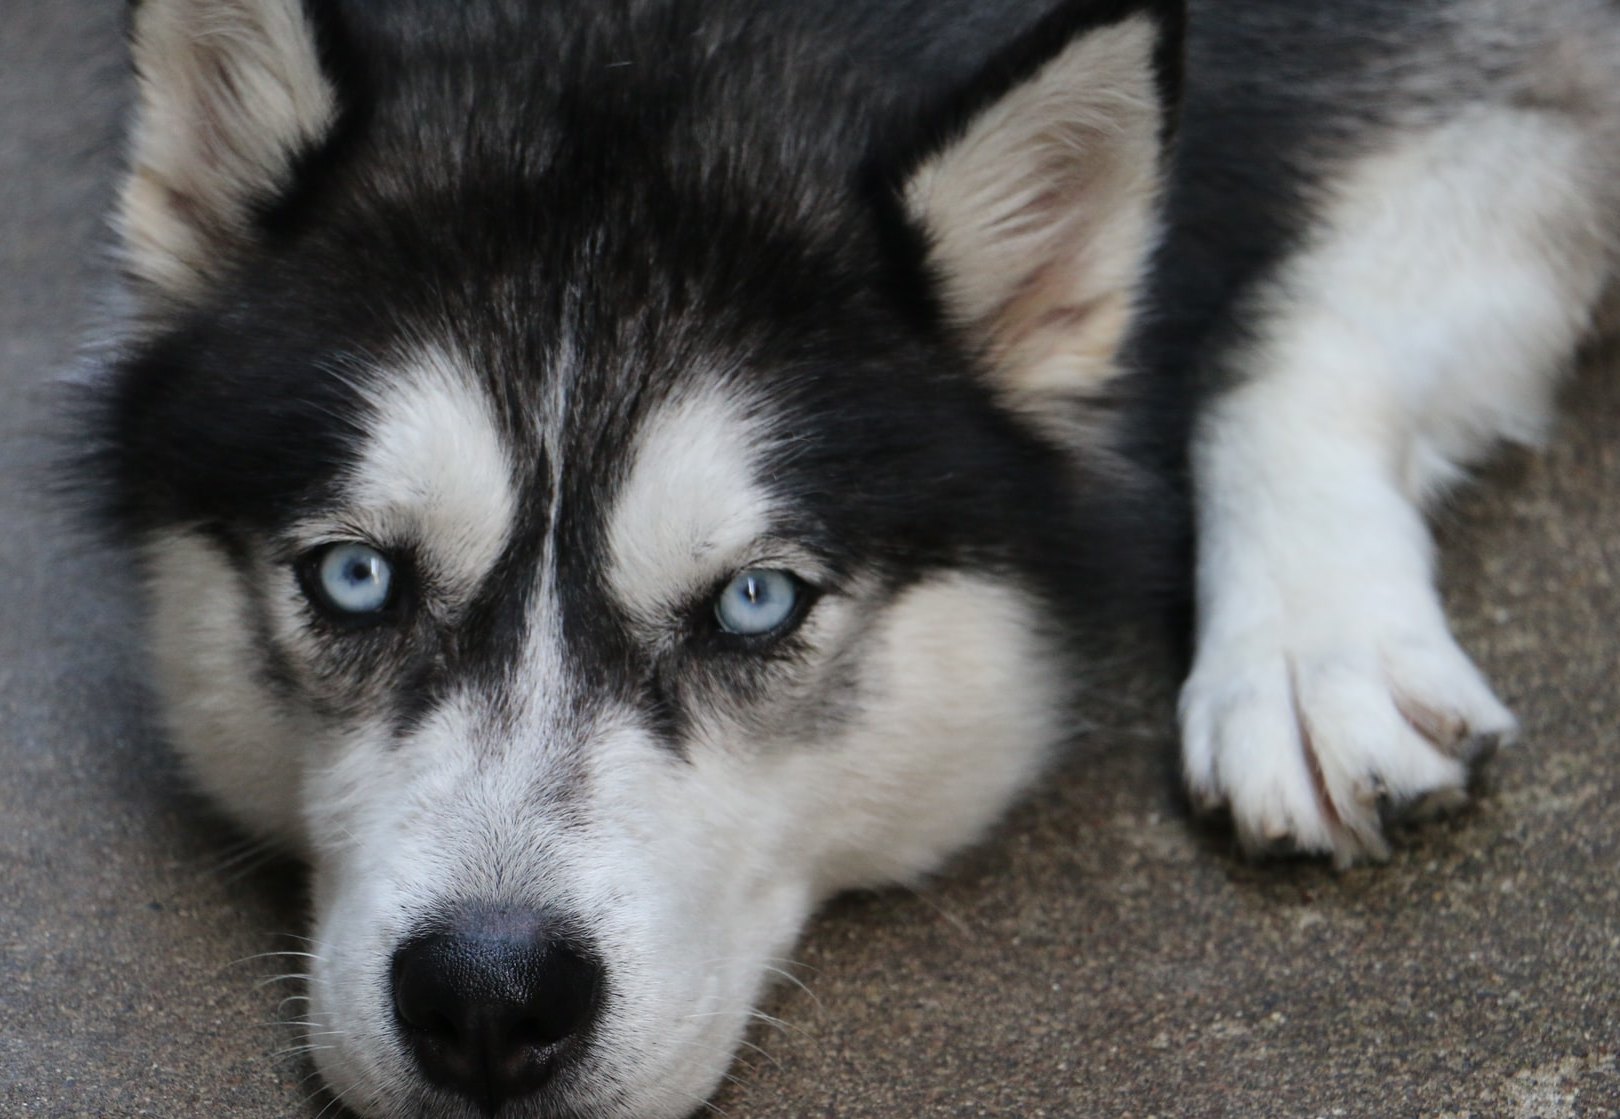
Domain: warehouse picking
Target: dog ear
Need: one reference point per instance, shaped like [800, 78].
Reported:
[230, 93]
[1039, 197]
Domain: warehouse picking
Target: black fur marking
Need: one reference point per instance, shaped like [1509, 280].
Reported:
[344, 65]
[227, 419]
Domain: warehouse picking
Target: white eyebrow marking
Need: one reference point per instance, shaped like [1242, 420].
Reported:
[691, 500]
[436, 470]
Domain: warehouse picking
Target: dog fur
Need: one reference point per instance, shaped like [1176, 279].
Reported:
[576, 313]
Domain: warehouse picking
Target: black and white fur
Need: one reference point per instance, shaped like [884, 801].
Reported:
[576, 310]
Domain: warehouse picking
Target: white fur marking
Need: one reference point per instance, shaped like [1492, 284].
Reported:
[1455, 276]
[691, 505]
[233, 733]
[435, 471]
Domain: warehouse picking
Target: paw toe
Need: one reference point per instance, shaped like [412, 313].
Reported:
[1316, 755]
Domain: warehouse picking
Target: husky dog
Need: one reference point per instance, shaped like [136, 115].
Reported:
[610, 475]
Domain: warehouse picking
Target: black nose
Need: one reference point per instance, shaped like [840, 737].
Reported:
[492, 1003]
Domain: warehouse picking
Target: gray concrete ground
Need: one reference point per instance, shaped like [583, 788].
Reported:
[1100, 957]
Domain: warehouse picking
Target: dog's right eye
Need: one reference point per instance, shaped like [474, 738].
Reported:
[352, 581]
[759, 603]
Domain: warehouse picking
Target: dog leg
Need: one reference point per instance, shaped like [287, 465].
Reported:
[1429, 319]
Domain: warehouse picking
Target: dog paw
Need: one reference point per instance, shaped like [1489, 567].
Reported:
[1312, 744]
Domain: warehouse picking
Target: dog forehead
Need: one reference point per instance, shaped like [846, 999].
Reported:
[693, 499]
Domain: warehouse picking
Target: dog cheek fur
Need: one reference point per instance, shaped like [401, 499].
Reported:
[961, 708]
[242, 744]
[723, 857]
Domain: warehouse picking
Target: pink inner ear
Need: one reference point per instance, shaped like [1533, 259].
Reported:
[1042, 211]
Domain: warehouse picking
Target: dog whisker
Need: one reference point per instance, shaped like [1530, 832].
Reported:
[959, 923]
[795, 981]
[300, 1050]
[278, 954]
[336, 1102]
[758, 1016]
[291, 976]
[770, 1058]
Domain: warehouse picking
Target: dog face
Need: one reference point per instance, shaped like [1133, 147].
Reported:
[592, 521]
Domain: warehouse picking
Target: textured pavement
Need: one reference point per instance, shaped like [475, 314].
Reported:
[1101, 956]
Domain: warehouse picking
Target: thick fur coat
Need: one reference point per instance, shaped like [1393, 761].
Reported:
[610, 476]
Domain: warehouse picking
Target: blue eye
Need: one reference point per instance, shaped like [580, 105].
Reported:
[758, 602]
[353, 579]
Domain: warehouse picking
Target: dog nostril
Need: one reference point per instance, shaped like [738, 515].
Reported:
[491, 1005]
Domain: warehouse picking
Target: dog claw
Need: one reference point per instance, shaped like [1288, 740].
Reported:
[1319, 753]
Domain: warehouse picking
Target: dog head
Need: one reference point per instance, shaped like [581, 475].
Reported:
[608, 480]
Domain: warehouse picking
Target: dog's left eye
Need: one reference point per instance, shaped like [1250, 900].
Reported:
[759, 602]
[352, 580]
